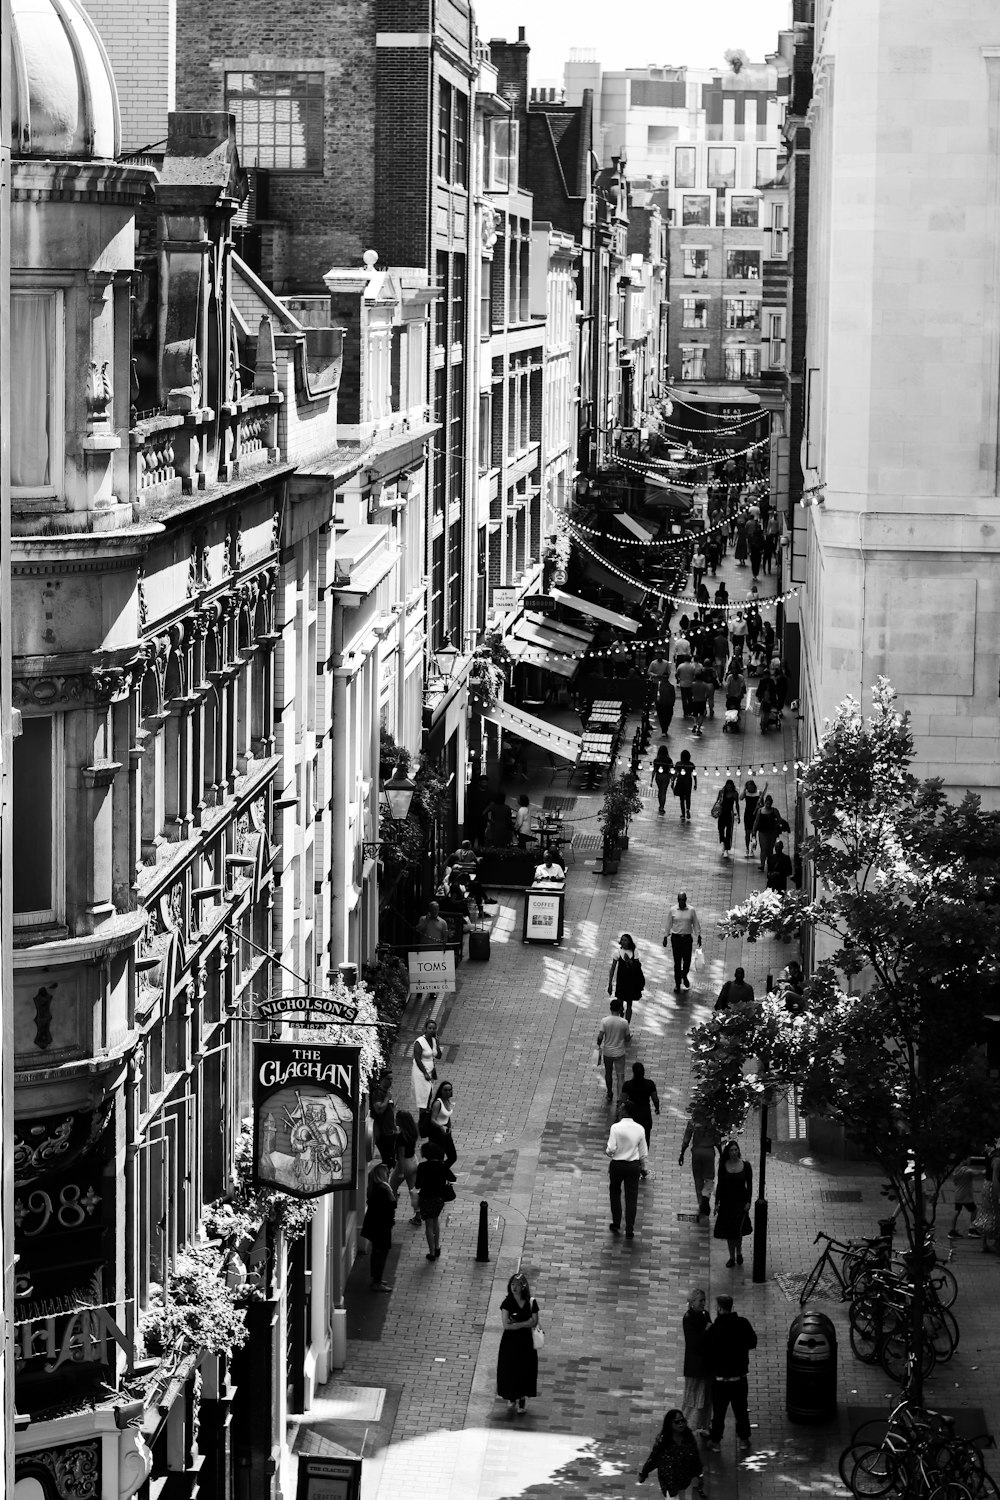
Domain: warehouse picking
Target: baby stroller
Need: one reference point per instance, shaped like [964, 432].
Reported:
[770, 717]
[732, 722]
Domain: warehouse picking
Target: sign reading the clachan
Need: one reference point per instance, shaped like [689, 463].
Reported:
[305, 1114]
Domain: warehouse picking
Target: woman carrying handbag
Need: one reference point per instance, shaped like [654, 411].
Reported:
[517, 1359]
[626, 980]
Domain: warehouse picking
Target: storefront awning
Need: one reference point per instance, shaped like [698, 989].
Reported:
[552, 636]
[524, 651]
[596, 611]
[608, 580]
[549, 736]
[639, 529]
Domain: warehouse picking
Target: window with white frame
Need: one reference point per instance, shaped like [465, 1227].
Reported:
[37, 821]
[693, 362]
[779, 231]
[697, 209]
[744, 211]
[685, 166]
[743, 265]
[774, 340]
[721, 167]
[501, 165]
[36, 392]
[742, 312]
[695, 262]
[695, 312]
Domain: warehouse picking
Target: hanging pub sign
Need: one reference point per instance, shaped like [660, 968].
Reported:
[543, 604]
[305, 1117]
[315, 1010]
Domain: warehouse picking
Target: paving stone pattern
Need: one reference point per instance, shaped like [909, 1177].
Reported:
[531, 1121]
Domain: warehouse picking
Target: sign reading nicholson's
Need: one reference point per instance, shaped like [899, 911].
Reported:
[305, 1113]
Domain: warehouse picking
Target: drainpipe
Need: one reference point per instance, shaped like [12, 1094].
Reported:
[338, 950]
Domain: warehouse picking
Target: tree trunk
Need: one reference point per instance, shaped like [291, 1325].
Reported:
[916, 1387]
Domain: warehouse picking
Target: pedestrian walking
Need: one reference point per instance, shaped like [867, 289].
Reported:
[725, 810]
[499, 823]
[405, 1169]
[517, 1357]
[750, 797]
[382, 1108]
[733, 1190]
[440, 1127]
[613, 1039]
[662, 778]
[699, 700]
[742, 547]
[726, 1348]
[522, 821]
[735, 991]
[376, 1227]
[687, 671]
[426, 1055]
[987, 1219]
[666, 697]
[701, 1137]
[697, 1392]
[698, 565]
[685, 782]
[712, 682]
[628, 1154]
[683, 930]
[768, 824]
[779, 868]
[675, 1457]
[434, 1190]
[641, 1094]
[626, 980]
[964, 1178]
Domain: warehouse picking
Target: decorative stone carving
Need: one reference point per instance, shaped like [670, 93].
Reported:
[74, 1470]
[99, 394]
[135, 1462]
[198, 570]
[43, 1018]
[100, 688]
[141, 605]
[489, 219]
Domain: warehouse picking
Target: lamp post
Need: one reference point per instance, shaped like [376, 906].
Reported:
[445, 659]
[397, 794]
[752, 1068]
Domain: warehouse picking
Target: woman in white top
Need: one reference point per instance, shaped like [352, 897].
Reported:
[442, 1111]
[426, 1051]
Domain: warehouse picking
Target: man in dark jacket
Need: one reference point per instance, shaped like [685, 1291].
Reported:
[725, 1350]
[779, 868]
[666, 697]
[735, 991]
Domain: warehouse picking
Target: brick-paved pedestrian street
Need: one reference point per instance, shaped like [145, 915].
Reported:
[531, 1123]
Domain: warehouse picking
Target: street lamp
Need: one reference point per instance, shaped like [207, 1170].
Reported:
[752, 1068]
[446, 659]
[398, 793]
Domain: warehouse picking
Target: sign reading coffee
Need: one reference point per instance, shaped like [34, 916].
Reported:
[305, 1112]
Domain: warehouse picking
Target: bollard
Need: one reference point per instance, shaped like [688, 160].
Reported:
[483, 1247]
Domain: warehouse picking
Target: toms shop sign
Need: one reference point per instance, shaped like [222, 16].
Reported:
[305, 1113]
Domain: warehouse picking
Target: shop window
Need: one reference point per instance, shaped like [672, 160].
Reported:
[279, 119]
[36, 394]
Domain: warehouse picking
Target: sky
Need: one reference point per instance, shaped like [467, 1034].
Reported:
[695, 32]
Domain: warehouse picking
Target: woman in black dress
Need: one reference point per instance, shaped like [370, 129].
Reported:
[517, 1361]
[380, 1215]
[434, 1190]
[733, 1191]
[729, 802]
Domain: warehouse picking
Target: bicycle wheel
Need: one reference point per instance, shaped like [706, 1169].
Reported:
[941, 1328]
[876, 1473]
[894, 1356]
[952, 1489]
[942, 1283]
[813, 1280]
[865, 1336]
[868, 1435]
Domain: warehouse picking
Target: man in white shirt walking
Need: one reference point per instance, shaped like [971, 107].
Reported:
[683, 929]
[627, 1149]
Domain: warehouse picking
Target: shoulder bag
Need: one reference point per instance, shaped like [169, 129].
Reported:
[537, 1333]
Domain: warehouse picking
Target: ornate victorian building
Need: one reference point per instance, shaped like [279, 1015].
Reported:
[213, 604]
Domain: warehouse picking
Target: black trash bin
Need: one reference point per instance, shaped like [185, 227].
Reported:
[811, 1372]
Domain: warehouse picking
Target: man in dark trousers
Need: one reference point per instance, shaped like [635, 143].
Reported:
[779, 868]
[666, 697]
[725, 1350]
[735, 991]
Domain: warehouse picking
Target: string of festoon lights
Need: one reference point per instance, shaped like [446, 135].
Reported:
[733, 606]
[643, 467]
[671, 541]
[703, 463]
[672, 394]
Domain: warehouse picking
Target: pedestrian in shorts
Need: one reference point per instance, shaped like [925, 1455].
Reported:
[964, 1177]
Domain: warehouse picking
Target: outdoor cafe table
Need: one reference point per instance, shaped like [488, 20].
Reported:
[596, 753]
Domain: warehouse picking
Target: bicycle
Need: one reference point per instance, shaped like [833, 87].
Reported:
[915, 1452]
[855, 1257]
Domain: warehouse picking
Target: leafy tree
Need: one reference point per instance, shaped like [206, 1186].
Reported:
[905, 908]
